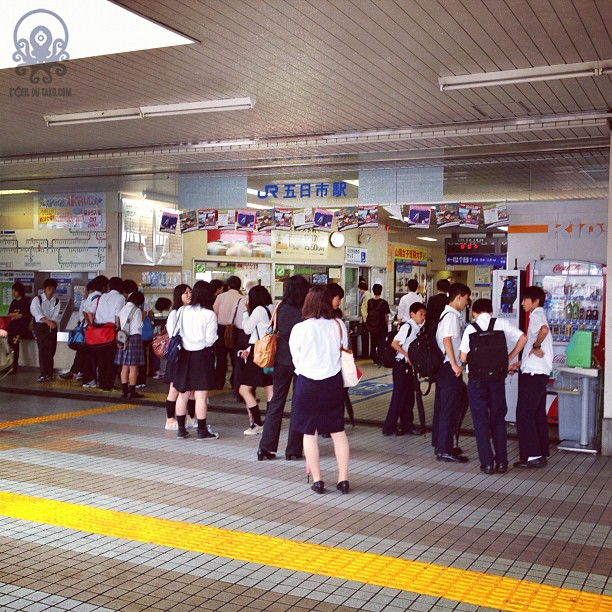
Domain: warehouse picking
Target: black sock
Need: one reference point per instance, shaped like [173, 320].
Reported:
[132, 389]
[180, 419]
[170, 409]
[124, 388]
[191, 408]
[256, 414]
[201, 424]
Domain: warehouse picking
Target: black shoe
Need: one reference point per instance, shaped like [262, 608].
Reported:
[181, 433]
[134, 394]
[318, 487]
[411, 431]
[448, 458]
[457, 451]
[264, 454]
[289, 457]
[343, 487]
[207, 434]
[501, 468]
[67, 376]
[534, 463]
[487, 469]
[384, 433]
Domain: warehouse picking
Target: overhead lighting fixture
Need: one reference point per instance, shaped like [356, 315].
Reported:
[162, 110]
[352, 182]
[504, 228]
[17, 191]
[258, 206]
[427, 239]
[159, 197]
[526, 75]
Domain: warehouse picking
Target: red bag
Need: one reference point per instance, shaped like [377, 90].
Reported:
[4, 322]
[160, 342]
[98, 336]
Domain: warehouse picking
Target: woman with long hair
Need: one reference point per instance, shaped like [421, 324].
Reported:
[318, 398]
[195, 369]
[288, 314]
[181, 296]
[255, 321]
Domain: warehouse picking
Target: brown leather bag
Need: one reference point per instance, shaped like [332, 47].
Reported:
[229, 335]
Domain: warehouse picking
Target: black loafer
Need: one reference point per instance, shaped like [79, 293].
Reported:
[263, 454]
[343, 487]
[533, 464]
[448, 458]
[487, 469]
[501, 468]
[318, 487]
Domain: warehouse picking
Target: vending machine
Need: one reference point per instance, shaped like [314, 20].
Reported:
[508, 286]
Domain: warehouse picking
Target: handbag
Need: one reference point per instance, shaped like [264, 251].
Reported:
[175, 343]
[160, 341]
[147, 329]
[100, 335]
[351, 375]
[264, 349]
[6, 357]
[76, 337]
[122, 334]
[229, 335]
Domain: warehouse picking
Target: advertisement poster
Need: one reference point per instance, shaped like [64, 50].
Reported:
[368, 216]
[323, 219]
[283, 218]
[245, 220]
[168, 222]
[301, 246]
[74, 211]
[347, 218]
[238, 244]
[495, 214]
[303, 218]
[469, 215]
[226, 220]
[447, 215]
[265, 220]
[418, 215]
[207, 219]
[189, 221]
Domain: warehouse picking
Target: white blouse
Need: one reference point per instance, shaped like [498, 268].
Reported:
[171, 322]
[315, 347]
[198, 327]
[257, 321]
[135, 326]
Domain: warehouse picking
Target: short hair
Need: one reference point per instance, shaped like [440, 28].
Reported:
[137, 298]
[90, 286]
[216, 284]
[233, 282]
[296, 290]
[416, 306]
[334, 290]
[19, 288]
[100, 284]
[457, 289]
[413, 284]
[376, 289]
[115, 284]
[362, 285]
[129, 286]
[202, 295]
[443, 285]
[534, 293]
[482, 305]
[177, 294]
[163, 303]
[258, 296]
[317, 304]
[50, 282]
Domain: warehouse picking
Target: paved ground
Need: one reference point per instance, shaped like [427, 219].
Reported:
[102, 509]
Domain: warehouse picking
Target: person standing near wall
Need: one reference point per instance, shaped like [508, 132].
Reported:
[224, 307]
[19, 315]
[403, 309]
[46, 309]
[377, 321]
[364, 297]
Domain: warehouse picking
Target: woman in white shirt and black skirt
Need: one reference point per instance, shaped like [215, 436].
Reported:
[132, 356]
[195, 368]
[255, 321]
[318, 393]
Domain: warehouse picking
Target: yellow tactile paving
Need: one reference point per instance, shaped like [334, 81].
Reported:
[66, 415]
[424, 578]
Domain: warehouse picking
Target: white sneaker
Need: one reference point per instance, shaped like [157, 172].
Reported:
[140, 386]
[191, 423]
[92, 384]
[171, 424]
[253, 430]
[79, 376]
[158, 376]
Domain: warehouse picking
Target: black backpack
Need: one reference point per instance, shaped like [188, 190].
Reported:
[424, 353]
[488, 356]
[388, 353]
[372, 321]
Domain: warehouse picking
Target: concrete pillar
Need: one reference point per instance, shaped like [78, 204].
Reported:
[606, 431]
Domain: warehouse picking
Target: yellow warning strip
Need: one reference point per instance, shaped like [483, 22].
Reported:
[66, 415]
[425, 578]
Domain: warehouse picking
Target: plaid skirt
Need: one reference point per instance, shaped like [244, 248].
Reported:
[133, 354]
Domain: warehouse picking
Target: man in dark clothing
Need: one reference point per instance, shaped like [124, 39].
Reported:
[377, 321]
[19, 314]
[437, 303]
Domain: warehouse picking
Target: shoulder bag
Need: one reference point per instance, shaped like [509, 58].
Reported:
[175, 343]
[264, 349]
[76, 337]
[229, 335]
[123, 334]
[160, 341]
[100, 335]
[351, 375]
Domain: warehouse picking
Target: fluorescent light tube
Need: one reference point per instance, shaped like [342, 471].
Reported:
[117, 114]
[427, 238]
[258, 206]
[17, 191]
[208, 106]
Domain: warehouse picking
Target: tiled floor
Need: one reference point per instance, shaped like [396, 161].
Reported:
[102, 509]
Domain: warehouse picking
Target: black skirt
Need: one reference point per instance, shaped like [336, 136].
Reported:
[195, 370]
[250, 374]
[318, 405]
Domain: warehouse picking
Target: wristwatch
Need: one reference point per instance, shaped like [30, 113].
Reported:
[536, 346]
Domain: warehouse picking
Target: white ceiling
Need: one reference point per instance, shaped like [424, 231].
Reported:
[319, 68]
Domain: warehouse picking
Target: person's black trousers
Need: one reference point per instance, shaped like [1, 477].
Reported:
[402, 399]
[531, 419]
[220, 357]
[447, 408]
[107, 370]
[283, 376]
[46, 340]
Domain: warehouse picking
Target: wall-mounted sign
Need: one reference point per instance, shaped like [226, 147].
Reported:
[306, 245]
[476, 260]
[291, 191]
[410, 253]
[467, 246]
[356, 255]
[72, 211]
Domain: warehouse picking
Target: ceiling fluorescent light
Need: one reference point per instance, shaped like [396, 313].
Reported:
[117, 114]
[258, 206]
[17, 191]
[207, 106]
[525, 75]
[427, 239]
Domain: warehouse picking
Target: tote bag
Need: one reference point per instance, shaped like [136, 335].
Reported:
[76, 337]
[351, 375]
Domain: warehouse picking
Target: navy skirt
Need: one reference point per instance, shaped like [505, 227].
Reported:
[317, 406]
[133, 354]
[195, 370]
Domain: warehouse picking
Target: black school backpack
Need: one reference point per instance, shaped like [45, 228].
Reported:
[424, 353]
[388, 353]
[488, 356]
[373, 319]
